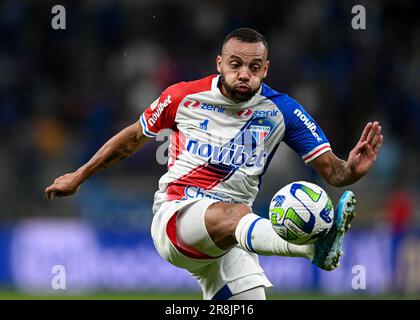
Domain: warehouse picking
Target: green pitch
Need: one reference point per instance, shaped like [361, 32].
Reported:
[191, 296]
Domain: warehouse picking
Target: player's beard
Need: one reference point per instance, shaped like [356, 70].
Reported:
[235, 94]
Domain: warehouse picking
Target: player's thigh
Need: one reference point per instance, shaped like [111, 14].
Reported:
[180, 235]
[192, 229]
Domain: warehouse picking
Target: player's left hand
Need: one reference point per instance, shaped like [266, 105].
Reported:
[364, 154]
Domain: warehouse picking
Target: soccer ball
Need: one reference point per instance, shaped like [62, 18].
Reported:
[301, 212]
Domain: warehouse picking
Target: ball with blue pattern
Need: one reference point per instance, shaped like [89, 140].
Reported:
[301, 212]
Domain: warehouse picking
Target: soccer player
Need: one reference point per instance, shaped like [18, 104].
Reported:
[225, 130]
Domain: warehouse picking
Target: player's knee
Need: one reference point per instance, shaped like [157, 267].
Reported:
[221, 221]
[230, 214]
[235, 214]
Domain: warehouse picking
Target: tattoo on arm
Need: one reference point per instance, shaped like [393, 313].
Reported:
[341, 174]
[115, 156]
[134, 139]
[125, 150]
[119, 147]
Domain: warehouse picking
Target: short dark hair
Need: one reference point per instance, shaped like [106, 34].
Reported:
[246, 35]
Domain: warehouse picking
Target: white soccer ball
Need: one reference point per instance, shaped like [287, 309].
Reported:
[301, 212]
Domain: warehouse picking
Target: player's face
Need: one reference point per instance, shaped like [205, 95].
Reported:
[242, 67]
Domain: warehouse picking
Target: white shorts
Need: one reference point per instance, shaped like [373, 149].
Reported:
[220, 274]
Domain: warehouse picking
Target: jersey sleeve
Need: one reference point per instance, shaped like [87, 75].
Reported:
[160, 114]
[303, 134]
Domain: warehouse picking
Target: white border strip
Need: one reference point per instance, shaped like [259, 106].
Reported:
[146, 132]
[316, 152]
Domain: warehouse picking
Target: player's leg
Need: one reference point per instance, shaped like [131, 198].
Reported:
[228, 276]
[180, 235]
[257, 293]
[191, 229]
[233, 270]
[230, 224]
[169, 242]
[213, 228]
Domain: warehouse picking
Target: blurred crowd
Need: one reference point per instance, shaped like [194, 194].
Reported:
[63, 93]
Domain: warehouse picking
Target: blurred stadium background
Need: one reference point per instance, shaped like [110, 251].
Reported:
[63, 93]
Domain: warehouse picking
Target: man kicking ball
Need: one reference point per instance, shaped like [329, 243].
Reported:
[225, 130]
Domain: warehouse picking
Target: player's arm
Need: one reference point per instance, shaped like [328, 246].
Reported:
[338, 172]
[120, 146]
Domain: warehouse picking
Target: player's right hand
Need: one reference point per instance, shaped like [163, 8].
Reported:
[65, 185]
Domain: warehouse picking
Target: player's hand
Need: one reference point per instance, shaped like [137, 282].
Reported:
[364, 154]
[65, 185]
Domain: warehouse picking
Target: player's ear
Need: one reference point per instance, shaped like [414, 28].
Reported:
[267, 64]
[218, 63]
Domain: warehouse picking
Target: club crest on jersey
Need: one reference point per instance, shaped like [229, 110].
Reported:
[259, 133]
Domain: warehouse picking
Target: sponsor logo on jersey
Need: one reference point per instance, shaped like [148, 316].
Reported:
[204, 124]
[266, 113]
[210, 107]
[154, 104]
[308, 123]
[159, 108]
[203, 106]
[191, 104]
[245, 113]
[259, 132]
[257, 113]
[233, 155]
[197, 192]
